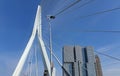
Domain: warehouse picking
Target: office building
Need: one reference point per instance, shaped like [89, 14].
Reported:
[79, 61]
[98, 66]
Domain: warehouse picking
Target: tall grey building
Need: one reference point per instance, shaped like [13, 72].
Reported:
[79, 61]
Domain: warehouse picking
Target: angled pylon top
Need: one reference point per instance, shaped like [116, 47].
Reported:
[37, 23]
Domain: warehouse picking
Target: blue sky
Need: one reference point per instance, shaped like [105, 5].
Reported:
[17, 19]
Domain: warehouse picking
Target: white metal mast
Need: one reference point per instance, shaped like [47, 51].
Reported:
[36, 31]
[36, 61]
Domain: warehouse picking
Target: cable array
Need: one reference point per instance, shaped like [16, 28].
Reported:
[85, 16]
[101, 12]
[66, 8]
[108, 56]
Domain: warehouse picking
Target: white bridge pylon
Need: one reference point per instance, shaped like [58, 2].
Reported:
[36, 31]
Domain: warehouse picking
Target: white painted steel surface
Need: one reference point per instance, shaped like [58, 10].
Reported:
[36, 31]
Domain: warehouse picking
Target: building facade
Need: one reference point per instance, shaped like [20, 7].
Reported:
[79, 61]
[98, 66]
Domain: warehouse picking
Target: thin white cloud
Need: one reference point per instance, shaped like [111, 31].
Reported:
[112, 71]
[108, 47]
